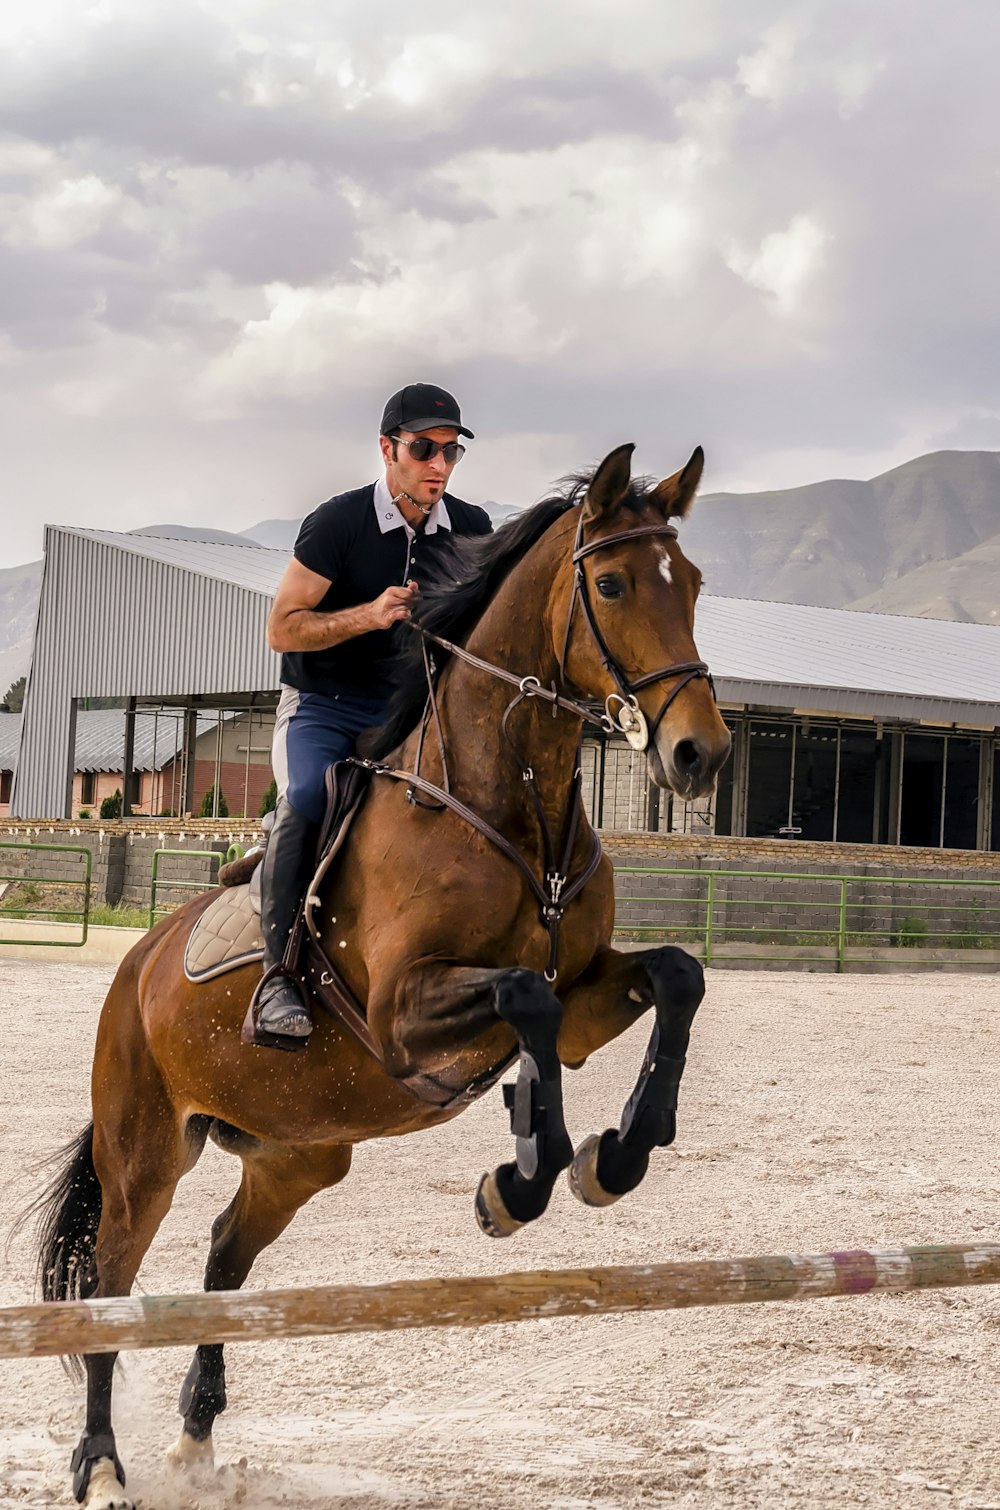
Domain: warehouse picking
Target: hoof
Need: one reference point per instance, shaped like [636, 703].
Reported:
[582, 1175]
[191, 1455]
[105, 1491]
[492, 1215]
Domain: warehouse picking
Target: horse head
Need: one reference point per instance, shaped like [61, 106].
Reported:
[628, 627]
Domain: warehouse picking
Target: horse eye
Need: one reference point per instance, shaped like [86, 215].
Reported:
[611, 587]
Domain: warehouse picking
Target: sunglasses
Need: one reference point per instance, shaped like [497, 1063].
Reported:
[423, 449]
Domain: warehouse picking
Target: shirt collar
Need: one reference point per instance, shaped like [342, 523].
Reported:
[389, 517]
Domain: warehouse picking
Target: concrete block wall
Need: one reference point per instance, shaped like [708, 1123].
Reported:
[753, 899]
[123, 856]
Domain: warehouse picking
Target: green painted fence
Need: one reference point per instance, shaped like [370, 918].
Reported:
[842, 927]
[35, 881]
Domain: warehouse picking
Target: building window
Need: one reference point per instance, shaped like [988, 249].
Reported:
[6, 782]
[861, 754]
[88, 787]
[961, 793]
[769, 780]
[814, 789]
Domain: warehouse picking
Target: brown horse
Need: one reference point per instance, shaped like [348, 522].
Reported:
[452, 946]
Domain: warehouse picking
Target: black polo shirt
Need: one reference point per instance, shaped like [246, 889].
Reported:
[342, 540]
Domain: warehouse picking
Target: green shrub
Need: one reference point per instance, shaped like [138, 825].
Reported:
[84, 812]
[911, 933]
[207, 809]
[111, 807]
[269, 801]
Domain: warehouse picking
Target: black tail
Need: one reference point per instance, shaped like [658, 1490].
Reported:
[68, 1215]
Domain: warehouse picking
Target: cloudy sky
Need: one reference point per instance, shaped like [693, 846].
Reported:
[229, 229]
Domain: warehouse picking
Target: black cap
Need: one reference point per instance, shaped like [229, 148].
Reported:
[422, 406]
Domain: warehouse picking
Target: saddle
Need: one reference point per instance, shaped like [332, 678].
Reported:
[227, 934]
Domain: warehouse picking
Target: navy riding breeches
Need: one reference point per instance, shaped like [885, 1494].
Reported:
[312, 731]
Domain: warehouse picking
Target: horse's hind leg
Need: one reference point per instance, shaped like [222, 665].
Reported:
[139, 1154]
[276, 1182]
[615, 991]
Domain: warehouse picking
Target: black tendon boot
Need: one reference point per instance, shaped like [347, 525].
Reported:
[278, 1016]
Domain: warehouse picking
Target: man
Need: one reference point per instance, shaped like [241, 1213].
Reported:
[354, 575]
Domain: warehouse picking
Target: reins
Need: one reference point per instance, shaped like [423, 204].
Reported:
[558, 890]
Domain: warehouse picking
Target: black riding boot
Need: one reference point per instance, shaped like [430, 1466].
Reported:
[278, 1015]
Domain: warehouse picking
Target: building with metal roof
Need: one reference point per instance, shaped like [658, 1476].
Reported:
[847, 725]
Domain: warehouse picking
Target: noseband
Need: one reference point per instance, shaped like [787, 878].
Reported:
[629, 719]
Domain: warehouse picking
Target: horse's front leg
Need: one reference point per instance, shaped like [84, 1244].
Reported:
[613, 993]
[439, 1013]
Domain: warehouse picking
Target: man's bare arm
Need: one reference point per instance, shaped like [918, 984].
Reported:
[294, 624]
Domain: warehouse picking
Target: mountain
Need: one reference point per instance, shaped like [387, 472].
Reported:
[838, 543]
[276, 534]
[921, 539]
[18, 604]
[195, 532]
[966, 588]
[279, 534]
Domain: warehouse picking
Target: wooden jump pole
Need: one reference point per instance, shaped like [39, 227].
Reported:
[109, 1326]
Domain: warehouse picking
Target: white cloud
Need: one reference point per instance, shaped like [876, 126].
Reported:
[785, 262]
[69, 212]
[228, 220]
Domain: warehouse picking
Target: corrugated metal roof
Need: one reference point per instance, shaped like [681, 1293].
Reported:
[251, 566]
[100, 739]
[804, 649]
[10, 735]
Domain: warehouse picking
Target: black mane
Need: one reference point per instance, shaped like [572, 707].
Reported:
[455, 593]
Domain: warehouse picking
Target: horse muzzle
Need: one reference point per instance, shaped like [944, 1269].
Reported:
[689, 766]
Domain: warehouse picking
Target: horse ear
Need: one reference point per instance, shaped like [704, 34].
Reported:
[676, 494]
[610, 483]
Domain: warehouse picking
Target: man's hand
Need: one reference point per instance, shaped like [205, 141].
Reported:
[393, 605]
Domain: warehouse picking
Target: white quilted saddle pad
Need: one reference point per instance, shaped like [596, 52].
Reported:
[225, 936]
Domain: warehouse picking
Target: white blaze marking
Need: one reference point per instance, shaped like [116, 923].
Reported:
[661, 551]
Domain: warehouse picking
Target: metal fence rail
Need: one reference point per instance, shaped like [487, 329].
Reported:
[52, 914]
[169, 884]
[840, 924]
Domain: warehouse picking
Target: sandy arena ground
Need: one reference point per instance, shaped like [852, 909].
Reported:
[816, 1113]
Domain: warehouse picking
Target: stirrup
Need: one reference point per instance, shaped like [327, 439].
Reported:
[253, 1033]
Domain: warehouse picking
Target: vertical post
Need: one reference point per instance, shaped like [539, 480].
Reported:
[987, 795]
[709, 918]
[842, 927]
[652, 806]
[218, 765]
[602, 765]
[155, 783]
[129, 758]
[246, 774]
[897, 777]
[944, 790]
[190, 741]
[70, 756]
[836, 787]
[791, 777]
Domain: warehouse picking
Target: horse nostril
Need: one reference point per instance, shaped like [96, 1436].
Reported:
[688, 758]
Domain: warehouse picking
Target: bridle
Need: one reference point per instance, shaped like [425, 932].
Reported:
[558, 889]
[630, 719]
